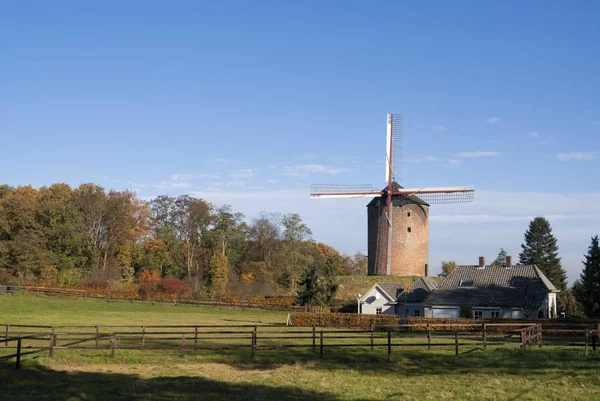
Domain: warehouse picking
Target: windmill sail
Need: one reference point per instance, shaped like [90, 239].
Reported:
[393, 148]
[381, 228]
[342, 191]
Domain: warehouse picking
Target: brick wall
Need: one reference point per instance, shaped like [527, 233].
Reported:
[410, 249]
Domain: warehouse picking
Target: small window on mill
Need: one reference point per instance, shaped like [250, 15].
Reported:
[409, 230]
[408, 214]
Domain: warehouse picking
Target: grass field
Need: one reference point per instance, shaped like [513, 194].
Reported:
[295, 374]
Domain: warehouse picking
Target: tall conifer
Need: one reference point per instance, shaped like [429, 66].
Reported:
[540, 249]
[588, 289]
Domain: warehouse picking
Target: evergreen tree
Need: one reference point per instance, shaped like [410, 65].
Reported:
[309, 291]
[587, 289]
[318, 286]
[501, 258]
[540, 249]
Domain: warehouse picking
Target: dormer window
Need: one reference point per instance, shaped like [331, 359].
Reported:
[518, 282]
[466, 283]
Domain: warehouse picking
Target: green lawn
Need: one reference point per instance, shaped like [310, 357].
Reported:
[289, 374]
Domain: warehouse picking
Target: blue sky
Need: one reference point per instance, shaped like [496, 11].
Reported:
[248, 103]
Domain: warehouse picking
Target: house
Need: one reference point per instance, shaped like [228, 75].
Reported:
[410, 301]
[381, 298]
[394, 298]
[473, 291]
[493, 291]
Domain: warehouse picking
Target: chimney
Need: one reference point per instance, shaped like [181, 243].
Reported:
[509, 261]
[482, 261]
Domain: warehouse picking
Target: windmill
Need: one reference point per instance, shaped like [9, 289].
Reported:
[398, 217]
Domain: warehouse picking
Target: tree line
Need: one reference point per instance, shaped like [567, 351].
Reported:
[73, 235]
[540, 248]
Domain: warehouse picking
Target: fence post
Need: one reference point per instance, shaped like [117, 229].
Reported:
[586, 341]
[253, 344]
[594, 337]
[321, 344]
[112, 346]
[456, 343]
[428, 336]
[484, 337]
[7, 334]
[314, 338]
[143, 336]
[389, 344]
[195, 338]
[183, 345]
[540, 334]
[52, 344]
[522, 338]
[97, 334]
[372, 345]
[19, 353]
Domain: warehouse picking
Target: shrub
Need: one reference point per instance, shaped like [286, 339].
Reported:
[6, 278]
[174, 288]
[69, 277]
[149, 280]
[98, 284]
[341, 319]
[49, 275]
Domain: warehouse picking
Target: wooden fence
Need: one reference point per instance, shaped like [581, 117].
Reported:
[31, 339]
[93, 294]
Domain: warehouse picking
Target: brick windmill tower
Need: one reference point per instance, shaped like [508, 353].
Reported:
[397, 217]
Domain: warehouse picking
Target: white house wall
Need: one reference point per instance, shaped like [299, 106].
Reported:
[447, 313]
[370, 303]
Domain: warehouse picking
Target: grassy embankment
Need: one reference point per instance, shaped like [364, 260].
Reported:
[295, 374]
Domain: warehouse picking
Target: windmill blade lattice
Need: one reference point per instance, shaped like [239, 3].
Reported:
[336, 190]
[397, 139]
[442, 198]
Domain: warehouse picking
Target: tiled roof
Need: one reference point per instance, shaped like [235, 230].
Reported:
[492, 286]
[419, 290]
[392, 289]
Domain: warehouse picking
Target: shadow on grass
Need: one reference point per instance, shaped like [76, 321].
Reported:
[40, 383]
[418, 362]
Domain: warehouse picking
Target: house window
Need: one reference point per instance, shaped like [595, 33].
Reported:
[495, 314]
[466, 283]
[378, 311]
[417, 313]
[407, 311]
[408, 229]
[478, 314]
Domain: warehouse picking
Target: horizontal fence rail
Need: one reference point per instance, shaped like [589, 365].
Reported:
[31, 339]
[95, 294]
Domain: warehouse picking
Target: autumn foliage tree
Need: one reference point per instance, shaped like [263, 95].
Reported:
[218, 275]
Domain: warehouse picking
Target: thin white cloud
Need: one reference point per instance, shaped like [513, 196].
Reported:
[493, 120]
[306, 169]
[185, 176]
[243, 173]
[271, 181]
[425, 159]
[491, 218]
[476, 154]
[565, 157]
[435, 160]
[220, 162]
[440, 128]
[170, 185]
[533, 134]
